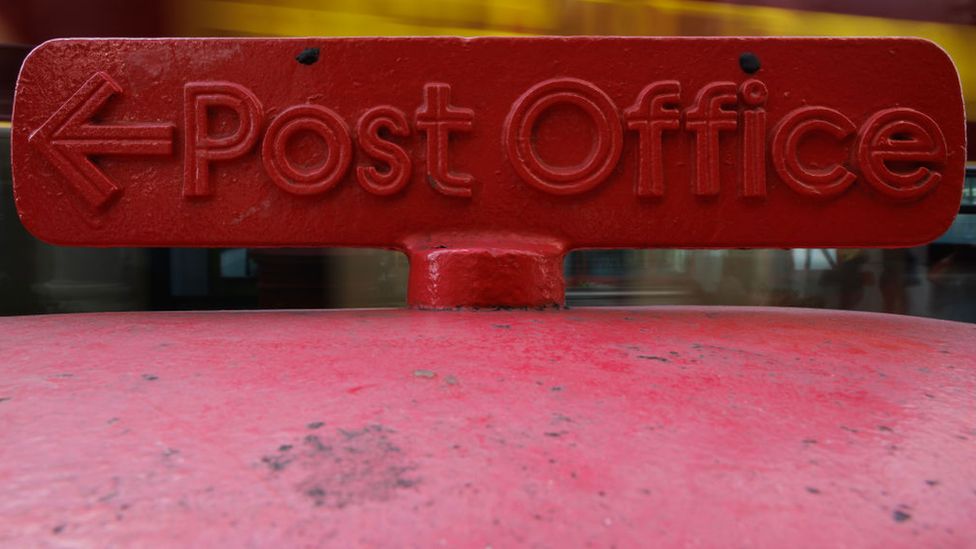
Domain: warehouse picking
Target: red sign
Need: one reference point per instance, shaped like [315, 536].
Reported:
[585, 142]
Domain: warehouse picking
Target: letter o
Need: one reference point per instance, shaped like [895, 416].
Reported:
[324, 123]
[558, 179]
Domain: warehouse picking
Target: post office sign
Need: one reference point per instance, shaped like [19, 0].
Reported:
[590, 142]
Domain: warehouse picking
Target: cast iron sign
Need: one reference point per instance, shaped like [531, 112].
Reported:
[587, 142]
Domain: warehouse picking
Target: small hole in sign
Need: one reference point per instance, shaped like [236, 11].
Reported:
[748, 62]
[308, 56]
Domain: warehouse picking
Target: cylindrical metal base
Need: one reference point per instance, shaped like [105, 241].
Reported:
[523, 273]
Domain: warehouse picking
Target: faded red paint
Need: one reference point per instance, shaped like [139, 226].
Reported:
[669, 426]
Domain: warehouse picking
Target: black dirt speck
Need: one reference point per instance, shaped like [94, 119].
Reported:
[315, 424]
[316, 492]
[900, 515]
[317, 444]
[345, 467]
[150, 377]
[276, 463]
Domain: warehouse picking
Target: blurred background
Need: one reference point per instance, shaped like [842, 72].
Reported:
[938, 280]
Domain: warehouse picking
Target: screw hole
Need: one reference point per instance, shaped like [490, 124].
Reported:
[748, 62]
[308, 56]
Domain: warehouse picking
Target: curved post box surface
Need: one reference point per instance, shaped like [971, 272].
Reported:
[626, 427]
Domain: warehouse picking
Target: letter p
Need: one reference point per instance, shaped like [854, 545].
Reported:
[199, 146]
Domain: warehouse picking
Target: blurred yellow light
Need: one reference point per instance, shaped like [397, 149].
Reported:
[518, 17]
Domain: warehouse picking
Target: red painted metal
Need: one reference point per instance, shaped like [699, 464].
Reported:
[485, 160]
[427, 144]
[626, 427]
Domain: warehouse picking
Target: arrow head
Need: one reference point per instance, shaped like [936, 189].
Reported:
[68, 138]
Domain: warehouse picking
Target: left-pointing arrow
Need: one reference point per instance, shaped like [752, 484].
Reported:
[68, 138]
